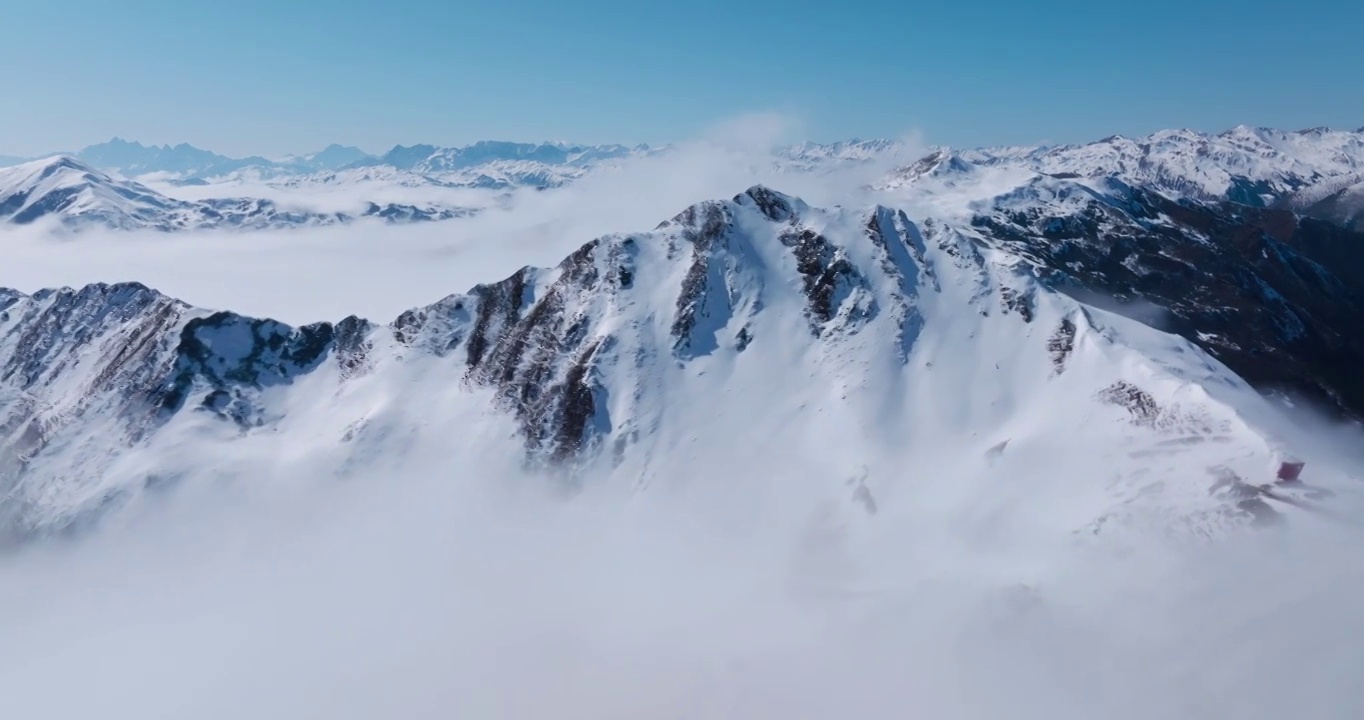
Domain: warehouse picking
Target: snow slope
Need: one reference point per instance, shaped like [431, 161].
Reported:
[752, 333]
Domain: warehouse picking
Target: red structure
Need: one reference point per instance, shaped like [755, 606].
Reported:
[1289, 471]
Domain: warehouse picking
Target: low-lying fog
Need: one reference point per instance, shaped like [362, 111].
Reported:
[463, 587]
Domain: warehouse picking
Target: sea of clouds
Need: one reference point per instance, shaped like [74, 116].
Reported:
[459, 583]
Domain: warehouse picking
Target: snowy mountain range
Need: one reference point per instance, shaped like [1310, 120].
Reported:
[133, 159]
[194, 165]
[1314, 173]
[75, 195]
[1143, 299]
[888, 336]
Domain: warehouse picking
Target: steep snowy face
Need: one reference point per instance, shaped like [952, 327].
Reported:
[755, 333]
[76, 196]
[578, 352]
[1269, 293]
[1339, 201]
[64, 187]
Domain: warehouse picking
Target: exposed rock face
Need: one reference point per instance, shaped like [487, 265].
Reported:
[1061, 344]
[544, 341]
[709, 289]
[230, 357]
[1269, 293]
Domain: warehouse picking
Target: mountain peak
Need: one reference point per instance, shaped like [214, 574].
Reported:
[18, 177]
[776, 206]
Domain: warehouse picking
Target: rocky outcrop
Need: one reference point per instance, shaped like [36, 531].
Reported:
[1269, 293]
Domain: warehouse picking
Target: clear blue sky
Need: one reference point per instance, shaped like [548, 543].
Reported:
[254, 76]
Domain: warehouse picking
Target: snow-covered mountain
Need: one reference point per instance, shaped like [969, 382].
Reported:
[1246, 242]
[496, 175]
[74, 195]
[811, 156]
[757, 326]
[1126, 295]
[64, 187]
[499, 165]
[432, 159]
[1339, 201]
[1253, 166]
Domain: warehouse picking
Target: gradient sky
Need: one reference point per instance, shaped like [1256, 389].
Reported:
[272, 77]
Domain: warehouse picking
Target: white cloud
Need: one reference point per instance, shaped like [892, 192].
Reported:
[449, 586]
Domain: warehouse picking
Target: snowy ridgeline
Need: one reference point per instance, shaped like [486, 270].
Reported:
[936, 360]
[129, 186]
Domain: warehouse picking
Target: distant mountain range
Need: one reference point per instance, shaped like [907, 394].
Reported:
[189, 163]
[75, 195]
[1316, 173]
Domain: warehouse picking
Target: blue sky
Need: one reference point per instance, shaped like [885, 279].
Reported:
[291, 76]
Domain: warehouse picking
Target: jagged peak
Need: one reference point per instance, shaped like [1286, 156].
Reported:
[708, 214]
[775, 206]
[93, 290]
[942, 161]
[9, 296]
[1185, 133]
[1244, 130]
[411, 148]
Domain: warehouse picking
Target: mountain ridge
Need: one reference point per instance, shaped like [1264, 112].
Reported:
[628, 346]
